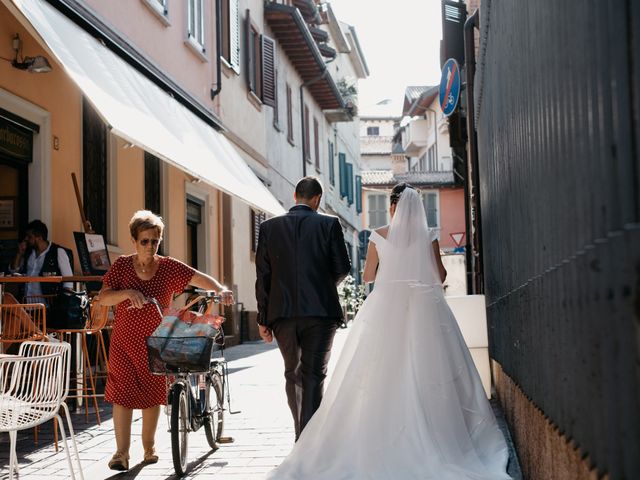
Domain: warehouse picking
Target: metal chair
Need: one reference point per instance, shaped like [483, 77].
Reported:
[21, 322]
[33, 386]
[86, 387]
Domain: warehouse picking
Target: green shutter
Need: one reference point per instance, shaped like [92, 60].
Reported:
[358, 194]
[343, 175]
[349, 178]
[332, 169]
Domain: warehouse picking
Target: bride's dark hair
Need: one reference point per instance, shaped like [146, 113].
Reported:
[397, 191]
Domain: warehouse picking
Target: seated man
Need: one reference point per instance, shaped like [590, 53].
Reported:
[37, 257]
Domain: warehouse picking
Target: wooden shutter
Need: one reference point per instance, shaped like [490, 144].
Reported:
[268, 71]
[350, 183]
[431, 206]
[358, 194]
[332, 168]
[256, 220]
[342, 171]
[250, 61]
[94, 168]
[307, 137]
[316, 142]
[289, 115]
[234, 35]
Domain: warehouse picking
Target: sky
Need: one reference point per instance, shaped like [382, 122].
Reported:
[401, 44]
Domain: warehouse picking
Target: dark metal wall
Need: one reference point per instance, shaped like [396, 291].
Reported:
[557, 97]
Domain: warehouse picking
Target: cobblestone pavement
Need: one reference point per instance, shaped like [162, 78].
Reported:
[262, 432]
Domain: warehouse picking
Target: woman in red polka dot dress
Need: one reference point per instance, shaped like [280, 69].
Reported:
[128, 283]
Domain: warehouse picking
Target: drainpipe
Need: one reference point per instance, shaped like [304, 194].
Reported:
[308, 83]
[216, 91]
[473, 176]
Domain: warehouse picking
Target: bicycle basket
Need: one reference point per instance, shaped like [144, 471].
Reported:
[168, 354]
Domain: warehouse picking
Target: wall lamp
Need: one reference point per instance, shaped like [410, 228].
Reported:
[37, 64]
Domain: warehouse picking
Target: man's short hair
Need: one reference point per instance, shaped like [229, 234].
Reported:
[308, 187]
[38, 228]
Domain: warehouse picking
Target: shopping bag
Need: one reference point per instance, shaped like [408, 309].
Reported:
[184, 338]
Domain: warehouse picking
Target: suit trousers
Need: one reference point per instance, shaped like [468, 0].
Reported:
[305, 344]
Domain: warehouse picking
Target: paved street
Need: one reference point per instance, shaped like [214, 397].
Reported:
[263, 431]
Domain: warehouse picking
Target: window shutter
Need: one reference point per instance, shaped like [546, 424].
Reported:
[234, 35]
[332, 169]
[358, 194]
[431, 207]
[350, 183]
[248, 48]
[268, 71]
[316, 142]
[307, 136]
[256, 219]
[343, 168]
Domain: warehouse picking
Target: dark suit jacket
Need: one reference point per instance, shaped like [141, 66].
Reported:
[300, 259]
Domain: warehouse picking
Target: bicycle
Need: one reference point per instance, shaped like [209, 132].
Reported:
[195, 397]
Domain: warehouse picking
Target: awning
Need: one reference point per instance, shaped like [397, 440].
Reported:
[143, 114]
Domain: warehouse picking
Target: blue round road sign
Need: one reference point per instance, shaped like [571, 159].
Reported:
[449, 87]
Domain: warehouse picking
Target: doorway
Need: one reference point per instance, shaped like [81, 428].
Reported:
[16, 153]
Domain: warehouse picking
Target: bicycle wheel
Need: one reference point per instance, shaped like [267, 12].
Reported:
[179, 428]
[214, 420]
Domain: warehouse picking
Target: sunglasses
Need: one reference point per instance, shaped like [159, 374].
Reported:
[154, 241]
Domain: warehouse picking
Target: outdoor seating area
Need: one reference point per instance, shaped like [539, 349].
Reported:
[43, 366]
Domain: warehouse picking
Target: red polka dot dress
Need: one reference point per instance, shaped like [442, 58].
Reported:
[130, 384]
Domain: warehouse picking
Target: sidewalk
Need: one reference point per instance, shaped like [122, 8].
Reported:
[263, 431]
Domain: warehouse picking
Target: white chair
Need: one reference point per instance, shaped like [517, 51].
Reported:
[33, 386]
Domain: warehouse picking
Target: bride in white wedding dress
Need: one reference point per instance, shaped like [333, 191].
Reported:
[405, 400]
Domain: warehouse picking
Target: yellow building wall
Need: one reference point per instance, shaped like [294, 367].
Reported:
[61, 98]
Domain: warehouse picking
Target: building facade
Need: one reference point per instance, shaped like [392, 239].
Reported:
[200, 111]
[415, 149]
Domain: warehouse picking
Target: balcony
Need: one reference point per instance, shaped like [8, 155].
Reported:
[298, 43]
[416, 136]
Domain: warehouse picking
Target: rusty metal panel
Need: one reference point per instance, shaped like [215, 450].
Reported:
[557, 113]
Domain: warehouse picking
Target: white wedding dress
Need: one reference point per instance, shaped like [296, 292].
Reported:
[405, 401]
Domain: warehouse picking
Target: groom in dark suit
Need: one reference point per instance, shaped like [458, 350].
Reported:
[300, 259]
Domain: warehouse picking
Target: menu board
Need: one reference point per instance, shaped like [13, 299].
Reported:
[92, 253]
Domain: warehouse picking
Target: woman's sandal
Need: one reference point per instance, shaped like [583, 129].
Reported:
[119, 461]
[150, 456]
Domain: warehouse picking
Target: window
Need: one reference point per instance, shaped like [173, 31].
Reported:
[358, 194]
[195, 258]
[332, 167]
[254, 57]
[289, 115]
[377, 207]
[372, 131]
[307, 137]
[431, 201]
[160, 8]
[231, 33]
[256, 220]
[316, 142]
[195, 22]
[94, 168]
